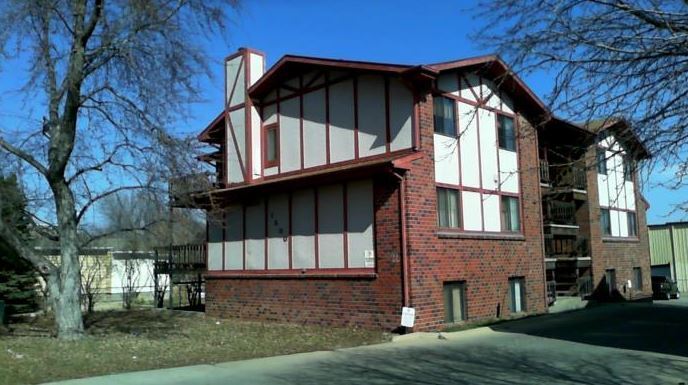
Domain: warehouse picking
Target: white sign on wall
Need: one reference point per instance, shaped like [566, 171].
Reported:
[408, 317]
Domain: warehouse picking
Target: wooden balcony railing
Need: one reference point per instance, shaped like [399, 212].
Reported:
[181, 258]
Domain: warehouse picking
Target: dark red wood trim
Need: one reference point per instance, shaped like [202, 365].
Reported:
[236, 79]
[345, 235]
[236, 147]
[249, 120]
[265, 232]
[351, 273]
[474, 104]
[327, 119]
[290, 232]
[480, 165]
[316, 228]
[302, 149]
[476, 189]
[388, 133]
[306, 90]
[234, 108]
[224, 237]
[243, 235]
[355, 117]
[266, 162]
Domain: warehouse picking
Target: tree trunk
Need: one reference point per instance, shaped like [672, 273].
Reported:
[67, 291]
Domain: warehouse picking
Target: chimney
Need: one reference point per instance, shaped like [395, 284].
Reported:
[242, 119]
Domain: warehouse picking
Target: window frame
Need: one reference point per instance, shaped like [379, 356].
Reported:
[601, 163]
[500, 117]
[459, 214]
[453, 131]
[447, 298]
[523, 292]
[267, 163]
[632, 229]
[503, 211]
[627, 168]
[609, 222]
[638, 278]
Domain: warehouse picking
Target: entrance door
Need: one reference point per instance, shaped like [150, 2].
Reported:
[610, 277]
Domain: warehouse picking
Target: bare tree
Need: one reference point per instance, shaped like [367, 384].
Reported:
[111, 76]
[131, 280]
[93, 272]
[612, 59]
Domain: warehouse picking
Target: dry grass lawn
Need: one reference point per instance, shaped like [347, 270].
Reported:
[120, 341]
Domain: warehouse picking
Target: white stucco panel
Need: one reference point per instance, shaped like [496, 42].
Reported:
[491, 212]
[446, 159]
[471, 205]
[509, 175]
[468, 145]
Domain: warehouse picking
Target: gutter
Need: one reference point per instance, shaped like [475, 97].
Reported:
[406, 297]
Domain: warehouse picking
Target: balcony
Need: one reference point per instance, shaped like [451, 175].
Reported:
[566, 247]
[181, 188]
[544, 172]
[178, 259]
[559, 213]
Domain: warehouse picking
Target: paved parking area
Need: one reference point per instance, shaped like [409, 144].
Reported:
[638, 343]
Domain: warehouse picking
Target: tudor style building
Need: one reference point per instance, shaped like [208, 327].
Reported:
[347, 190]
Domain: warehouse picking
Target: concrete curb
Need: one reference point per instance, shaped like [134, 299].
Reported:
[438, 336]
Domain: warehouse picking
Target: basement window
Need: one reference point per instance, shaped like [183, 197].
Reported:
[638, 278]
[454, 302]
[517, 294]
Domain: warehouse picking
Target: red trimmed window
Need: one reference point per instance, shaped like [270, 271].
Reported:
[271, 145]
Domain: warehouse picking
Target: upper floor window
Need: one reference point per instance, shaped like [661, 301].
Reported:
[601, 161]
[448, 208]
[271, 145]
[507, 133]
[605, 222]
[511, 215]
[628, 168]
[632, 225]
[444, 115]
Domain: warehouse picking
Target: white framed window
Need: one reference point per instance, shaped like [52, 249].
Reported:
[448, 208]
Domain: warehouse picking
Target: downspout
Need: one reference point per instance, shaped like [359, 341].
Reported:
[406, 297]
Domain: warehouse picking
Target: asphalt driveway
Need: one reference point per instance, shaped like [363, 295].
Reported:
[639, 343]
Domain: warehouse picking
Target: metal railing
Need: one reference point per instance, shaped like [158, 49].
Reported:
[544, 171]
[572, 247]
[585, 286]
[568, 176]
[559, 212]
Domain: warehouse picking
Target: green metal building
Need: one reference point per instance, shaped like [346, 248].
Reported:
[669, 251]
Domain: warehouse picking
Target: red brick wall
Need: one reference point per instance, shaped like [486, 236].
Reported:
[371, 302]
[485, 264]
[622, 256]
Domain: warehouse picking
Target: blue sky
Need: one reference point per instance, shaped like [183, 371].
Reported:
[400, 31]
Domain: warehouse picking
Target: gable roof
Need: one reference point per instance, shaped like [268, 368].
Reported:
[491, 65]
[622, 131]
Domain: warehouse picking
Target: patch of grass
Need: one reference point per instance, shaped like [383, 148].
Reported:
[120, 341]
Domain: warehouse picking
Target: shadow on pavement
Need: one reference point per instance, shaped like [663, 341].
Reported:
[654, 327]
[457, 364]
